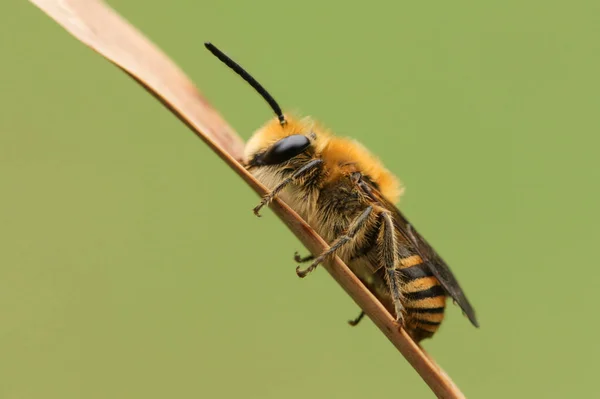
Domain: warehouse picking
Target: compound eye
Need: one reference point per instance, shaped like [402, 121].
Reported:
[285, 149]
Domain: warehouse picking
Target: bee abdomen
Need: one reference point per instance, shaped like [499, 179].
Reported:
[424, 297]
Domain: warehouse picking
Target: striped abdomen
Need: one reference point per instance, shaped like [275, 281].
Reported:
[424, 298]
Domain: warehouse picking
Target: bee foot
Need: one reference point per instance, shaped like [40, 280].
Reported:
[301, 259]
[303, 273]
[355, 322]
[400, 320]
[258, 207]
[266, 200]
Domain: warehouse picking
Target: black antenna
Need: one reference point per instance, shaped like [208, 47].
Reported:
[248, 78]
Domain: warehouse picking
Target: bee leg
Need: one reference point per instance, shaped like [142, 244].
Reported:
[389, 252]
[297, 174]
[353, 229]
[300, 259]
[357, 320]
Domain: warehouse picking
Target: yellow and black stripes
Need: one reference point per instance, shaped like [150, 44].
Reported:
[424, 297]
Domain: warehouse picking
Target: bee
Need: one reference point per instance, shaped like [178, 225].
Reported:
[347, 196]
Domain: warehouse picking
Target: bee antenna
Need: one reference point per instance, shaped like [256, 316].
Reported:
[248, 78]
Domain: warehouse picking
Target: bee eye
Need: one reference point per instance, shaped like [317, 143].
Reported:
[285, 149]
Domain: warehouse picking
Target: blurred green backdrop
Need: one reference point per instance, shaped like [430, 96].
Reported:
[131, 265]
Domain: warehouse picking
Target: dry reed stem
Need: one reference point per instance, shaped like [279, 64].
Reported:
[99, 27]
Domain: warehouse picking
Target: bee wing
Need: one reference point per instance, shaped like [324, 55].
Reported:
[419, 246]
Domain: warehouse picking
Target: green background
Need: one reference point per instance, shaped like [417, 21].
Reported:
[131, 265]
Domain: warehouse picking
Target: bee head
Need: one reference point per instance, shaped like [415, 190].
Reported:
[274, 144]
